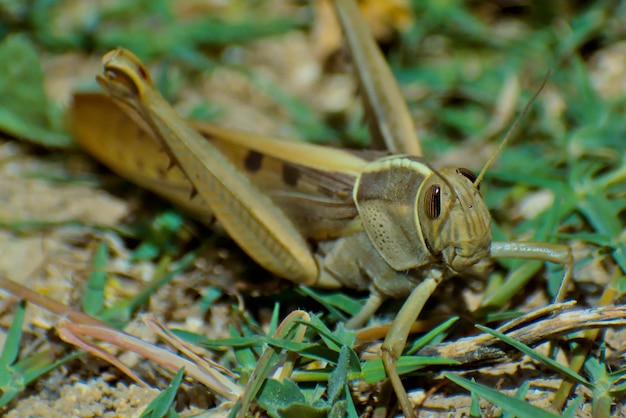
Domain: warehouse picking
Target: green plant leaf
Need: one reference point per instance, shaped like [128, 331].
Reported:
[275, 395]
[510, 404]
[163, 404]
[299, 410]
[374, 370]
[12, 343]
[535, 355]
[339, 376]
[93, 301]
[435, 333]
[24, 109]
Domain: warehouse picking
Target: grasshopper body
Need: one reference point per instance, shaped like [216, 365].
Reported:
[391, 224]
[394, 215]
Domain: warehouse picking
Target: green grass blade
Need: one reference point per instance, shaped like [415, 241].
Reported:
[121, 312]
[536, 356]
[374, 371]
[475, 406]
[93, 301]
[164, 402]
[573, 407]
[507, 403]
[520, 394]
[431, 335]
[275, 320]
[14, 336]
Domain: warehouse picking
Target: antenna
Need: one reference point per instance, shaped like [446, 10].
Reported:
[511, 131]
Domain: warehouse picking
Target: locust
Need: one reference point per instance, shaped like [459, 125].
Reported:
[386, 221]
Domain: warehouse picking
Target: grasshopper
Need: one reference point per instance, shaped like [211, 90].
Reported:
[383, 221]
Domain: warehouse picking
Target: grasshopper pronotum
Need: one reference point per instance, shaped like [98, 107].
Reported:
[391, 224]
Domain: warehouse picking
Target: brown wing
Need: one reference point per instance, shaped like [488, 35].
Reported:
[311, 184]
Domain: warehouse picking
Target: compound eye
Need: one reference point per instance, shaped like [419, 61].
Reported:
[468, 174]
[432, 202]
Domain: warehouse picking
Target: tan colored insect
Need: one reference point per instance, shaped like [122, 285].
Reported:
[391, 224]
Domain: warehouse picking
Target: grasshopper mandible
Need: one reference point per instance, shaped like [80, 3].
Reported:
[391, 224]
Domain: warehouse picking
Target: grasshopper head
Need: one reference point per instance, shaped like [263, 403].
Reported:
[456, 222]
[415, 215]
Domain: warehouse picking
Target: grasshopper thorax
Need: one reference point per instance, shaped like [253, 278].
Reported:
[416, 216]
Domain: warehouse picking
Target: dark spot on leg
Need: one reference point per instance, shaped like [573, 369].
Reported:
[290, 175]
[253, 161]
